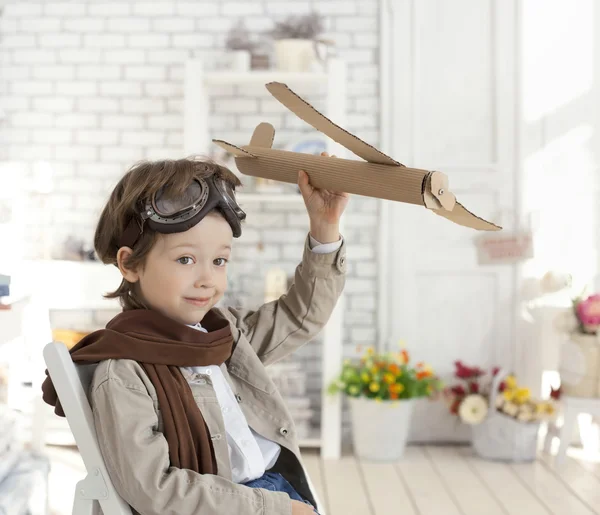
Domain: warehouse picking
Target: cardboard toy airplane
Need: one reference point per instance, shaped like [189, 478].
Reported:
[380, 176]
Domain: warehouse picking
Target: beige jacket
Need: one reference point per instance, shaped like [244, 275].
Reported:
[129, 423]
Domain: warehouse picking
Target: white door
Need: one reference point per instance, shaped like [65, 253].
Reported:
[449, 103]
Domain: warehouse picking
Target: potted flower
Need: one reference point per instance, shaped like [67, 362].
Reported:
[505, 419]
[239, 47]
[296, 42]
[579, 365]
[380, 388]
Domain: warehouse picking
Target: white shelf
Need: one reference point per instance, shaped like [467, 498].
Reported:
[269, 197]
[263, 77]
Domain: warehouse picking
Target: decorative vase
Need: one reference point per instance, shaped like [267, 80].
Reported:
[295, 55]
[380, 429]
[240, 60]
[579, 366]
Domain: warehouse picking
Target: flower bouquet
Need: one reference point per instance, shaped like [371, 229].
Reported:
[579, 365]
[380, 388]
[504, 417]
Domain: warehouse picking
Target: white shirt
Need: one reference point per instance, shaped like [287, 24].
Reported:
[250, 454]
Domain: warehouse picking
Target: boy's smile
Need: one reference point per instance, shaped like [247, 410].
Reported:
[185, 274]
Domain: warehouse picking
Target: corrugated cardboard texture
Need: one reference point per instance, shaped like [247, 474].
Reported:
[380, 176]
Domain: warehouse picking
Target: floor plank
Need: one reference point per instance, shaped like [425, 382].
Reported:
[550, 489]
[346, 491]
[386, 490]
[427, 481]
[425, 485]
[472, 495]
[577, 479]
[514, 497]
[590, 462]
[312, 461]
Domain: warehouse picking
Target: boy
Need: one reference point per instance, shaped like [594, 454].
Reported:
[187, 418]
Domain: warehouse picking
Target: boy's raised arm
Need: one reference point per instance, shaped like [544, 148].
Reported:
[280, 327]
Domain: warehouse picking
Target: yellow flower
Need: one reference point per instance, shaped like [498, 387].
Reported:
[374, 369]
[508, 395]
[374, 387]
[353, 390]
[522, 395]
[370, 351]
[550, 409]
[365, 377]
[511, 382]
[389, 378]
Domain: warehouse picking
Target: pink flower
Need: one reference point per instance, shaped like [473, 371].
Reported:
[588, 311]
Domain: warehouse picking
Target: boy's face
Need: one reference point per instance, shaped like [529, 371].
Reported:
[185, 273]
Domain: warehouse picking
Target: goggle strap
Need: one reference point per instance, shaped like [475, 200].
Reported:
[132, 233]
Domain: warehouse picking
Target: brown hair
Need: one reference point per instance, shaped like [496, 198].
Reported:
[140, 182]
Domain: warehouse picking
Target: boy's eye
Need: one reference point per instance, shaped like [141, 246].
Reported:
[185, 260]
[220, 261]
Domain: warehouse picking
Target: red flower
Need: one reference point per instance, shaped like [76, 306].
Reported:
[555, 394]
[458, 390]
[465, 372]
[495, 370]
[474, 387]
[454, 407]
[502, 386]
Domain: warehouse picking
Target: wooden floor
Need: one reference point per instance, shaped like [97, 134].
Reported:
[427, 481]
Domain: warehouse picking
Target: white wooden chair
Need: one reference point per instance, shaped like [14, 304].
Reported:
[572, 408]
[72, 382]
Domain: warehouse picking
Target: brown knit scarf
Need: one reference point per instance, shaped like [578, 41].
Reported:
[162, 345]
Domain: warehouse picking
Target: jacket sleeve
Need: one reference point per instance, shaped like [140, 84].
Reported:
[137, 458]
[280, 327]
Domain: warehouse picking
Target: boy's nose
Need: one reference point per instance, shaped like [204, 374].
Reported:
[205, 278]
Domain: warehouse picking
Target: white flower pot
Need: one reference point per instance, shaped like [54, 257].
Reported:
[380, 429]
[579, 366]
[239, 60]
[295, 55]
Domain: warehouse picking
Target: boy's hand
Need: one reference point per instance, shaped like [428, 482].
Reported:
[324, 208]
[301, 508]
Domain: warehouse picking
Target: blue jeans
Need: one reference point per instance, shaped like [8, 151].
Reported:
[276, 483]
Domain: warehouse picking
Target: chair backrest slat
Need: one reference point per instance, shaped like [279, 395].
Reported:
[72, 384]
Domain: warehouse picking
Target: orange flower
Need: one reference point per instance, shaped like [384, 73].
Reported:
[404, 356]
[396, 388]
[393, 395]
[423, 374]
[420, 364]
[394, 369]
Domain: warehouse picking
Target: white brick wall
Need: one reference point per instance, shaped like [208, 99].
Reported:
[92, 87]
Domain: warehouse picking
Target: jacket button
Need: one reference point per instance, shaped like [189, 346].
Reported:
[283, 431]
[238, 397]
[216, 437]
[341, 263]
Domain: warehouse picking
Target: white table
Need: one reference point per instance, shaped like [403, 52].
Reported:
[19, 326]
